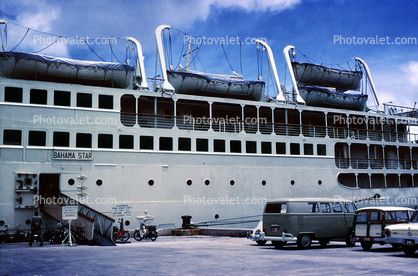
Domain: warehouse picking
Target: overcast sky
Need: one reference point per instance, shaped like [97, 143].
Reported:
[330, 32]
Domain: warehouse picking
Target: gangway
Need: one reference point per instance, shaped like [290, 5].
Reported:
[96, 225]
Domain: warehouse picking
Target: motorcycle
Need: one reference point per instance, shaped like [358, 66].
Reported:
[120, 234]
[148, 232]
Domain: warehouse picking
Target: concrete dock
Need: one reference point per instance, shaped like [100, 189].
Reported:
[202, 255]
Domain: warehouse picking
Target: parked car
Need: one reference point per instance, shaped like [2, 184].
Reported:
[301, 220]
[255, 235]
[370, 222]
[405, 234]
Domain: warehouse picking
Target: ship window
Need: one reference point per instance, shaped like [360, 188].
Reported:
[61, 139]
[251, 146]
[38, 96]
[266, 147]
[37, 138]
[127, 110]
[392, 181]
[321, 149]
[13, 94]
[280, 148]
[105, 141]
[347, 179]
[12, 137]
[84, 100]
[83, 140]
[202, 145]
[294, 149]
[308, 149]
[185, 144]
[106, 101]
[126, 141]
[146, 142]
[62, 98]
[235, 146]
[166, 143]
[218, 145]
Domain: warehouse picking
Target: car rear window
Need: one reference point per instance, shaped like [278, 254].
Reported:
[362, 216]
[274, 208]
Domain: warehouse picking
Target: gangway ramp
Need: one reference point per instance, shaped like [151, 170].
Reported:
[96, 225]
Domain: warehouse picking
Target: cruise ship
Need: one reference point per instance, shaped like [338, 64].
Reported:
[213, 147]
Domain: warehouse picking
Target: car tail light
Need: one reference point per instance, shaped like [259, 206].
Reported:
[285, 230]
[387, 233]
[252, 231]
[264, 230]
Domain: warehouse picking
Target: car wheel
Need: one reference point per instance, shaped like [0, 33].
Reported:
[409, 250]
[348, 238]
[304, 241]
[278, 244]
[366, 245]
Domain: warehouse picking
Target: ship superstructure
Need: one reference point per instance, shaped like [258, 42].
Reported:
[125, 149]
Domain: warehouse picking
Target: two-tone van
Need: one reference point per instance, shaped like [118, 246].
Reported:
[301, 220]
[370, 222]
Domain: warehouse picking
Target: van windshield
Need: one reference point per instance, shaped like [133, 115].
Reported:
[272, 208]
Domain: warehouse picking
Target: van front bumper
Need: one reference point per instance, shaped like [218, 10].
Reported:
[286, 237]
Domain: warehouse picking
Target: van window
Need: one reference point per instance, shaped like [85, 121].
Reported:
[396, 216]
[362, 217]
[313, 207]
[349, 208]
[336, 208]
[375, 216]
[325, 208]
[276, 208]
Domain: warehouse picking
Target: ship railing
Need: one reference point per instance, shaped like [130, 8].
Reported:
[204, 124]
[403, 111]
[376, 163]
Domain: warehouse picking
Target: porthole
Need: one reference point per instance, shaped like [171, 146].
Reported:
[150, 182]
[292, 182]
[189, 182]
[263, 183]
[232, 182]
[216, 216]
[319, 182]
[28, 222]
[207, 182]
[127, 223]
[2, 222]
[71, 181]
[99, 182]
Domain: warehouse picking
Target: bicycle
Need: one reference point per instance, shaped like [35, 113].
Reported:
[58, 236]
[17, 236]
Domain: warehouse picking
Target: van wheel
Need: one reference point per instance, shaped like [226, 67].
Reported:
[348, 238]
[304, 241]
[261, 242]
[366, 245]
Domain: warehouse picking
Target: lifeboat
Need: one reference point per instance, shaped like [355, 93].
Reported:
[18, 65]
[318, 75]
[230, 86]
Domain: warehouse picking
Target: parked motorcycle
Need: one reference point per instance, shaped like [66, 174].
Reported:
[120, 234]
[148, 232]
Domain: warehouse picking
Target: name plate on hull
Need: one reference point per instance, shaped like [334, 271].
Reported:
[72, 155]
